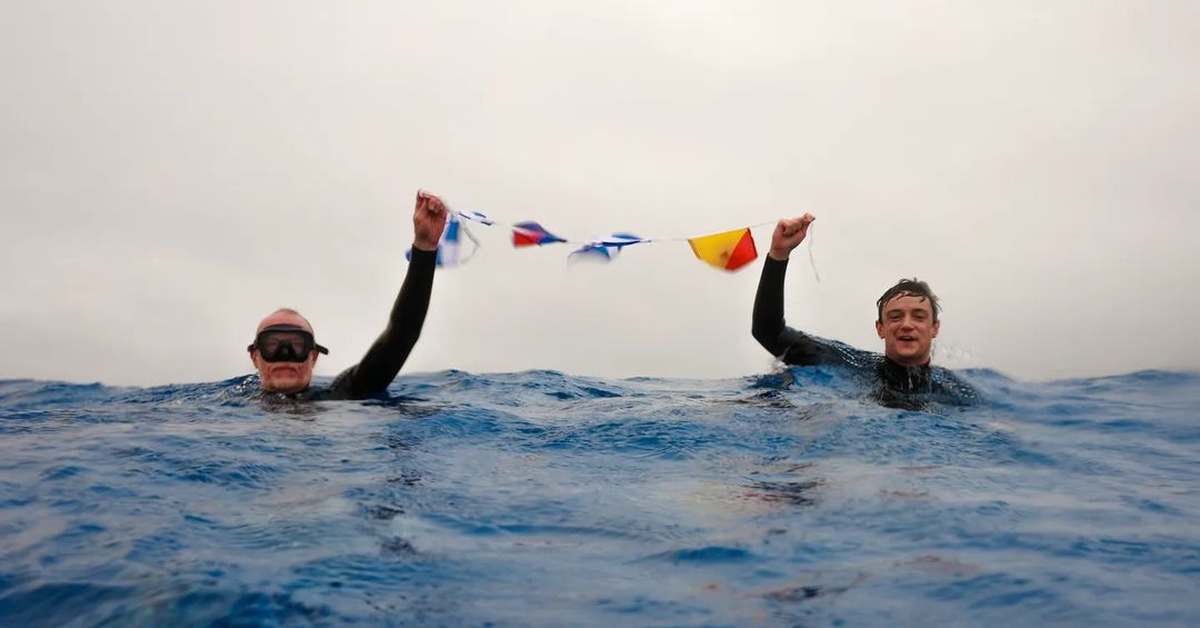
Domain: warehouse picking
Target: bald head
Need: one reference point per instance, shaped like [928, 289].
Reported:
[285, 316]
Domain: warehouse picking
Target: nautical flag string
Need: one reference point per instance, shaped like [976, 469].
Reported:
[727, 250]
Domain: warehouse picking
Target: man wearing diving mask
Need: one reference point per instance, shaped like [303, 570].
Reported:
[285, 351]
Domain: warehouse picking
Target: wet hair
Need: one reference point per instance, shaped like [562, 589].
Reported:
[909, 287]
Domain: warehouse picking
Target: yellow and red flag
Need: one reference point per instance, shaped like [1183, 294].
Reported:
[728, 251]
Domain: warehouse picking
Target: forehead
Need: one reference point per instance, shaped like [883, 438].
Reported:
[284, 318]
[907, 302]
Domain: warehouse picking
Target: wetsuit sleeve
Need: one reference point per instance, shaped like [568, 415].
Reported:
[383, 360]
[770, 329]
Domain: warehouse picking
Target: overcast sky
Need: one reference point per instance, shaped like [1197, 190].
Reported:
[170, 172]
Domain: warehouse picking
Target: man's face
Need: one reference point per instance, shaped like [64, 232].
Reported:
[284, 377]
[908, 329]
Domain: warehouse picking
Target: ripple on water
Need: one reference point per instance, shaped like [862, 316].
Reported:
[540, 498]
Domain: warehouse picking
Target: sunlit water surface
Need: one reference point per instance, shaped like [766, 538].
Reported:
[542, 499]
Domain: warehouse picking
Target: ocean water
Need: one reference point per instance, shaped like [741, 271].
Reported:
[543, 499]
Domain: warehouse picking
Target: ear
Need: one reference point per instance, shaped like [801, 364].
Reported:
[936, 326]
[879, 328]
[254, 359]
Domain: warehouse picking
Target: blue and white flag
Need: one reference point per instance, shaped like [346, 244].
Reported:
[604, 249]
[618, 240]
[449, 251]
[476, 216]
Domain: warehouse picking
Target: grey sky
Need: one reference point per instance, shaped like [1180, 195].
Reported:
[171, 172]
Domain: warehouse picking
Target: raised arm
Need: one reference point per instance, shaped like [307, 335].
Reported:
[383, 360]
[769, 329]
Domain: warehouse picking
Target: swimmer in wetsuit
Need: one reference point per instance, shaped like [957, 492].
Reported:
[284, 350]
[907, 323]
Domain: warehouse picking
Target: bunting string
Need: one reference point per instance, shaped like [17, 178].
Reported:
[727, 250]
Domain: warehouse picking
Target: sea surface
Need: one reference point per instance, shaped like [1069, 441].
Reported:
[544, 499]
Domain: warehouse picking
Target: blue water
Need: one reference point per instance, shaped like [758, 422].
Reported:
[542, 499]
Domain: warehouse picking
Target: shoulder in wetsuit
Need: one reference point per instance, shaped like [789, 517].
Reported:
[372, 375]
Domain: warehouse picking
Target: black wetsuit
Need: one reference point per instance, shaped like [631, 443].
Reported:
[798, 348]
[372, 375]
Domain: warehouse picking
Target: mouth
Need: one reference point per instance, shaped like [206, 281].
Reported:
[906, 338]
